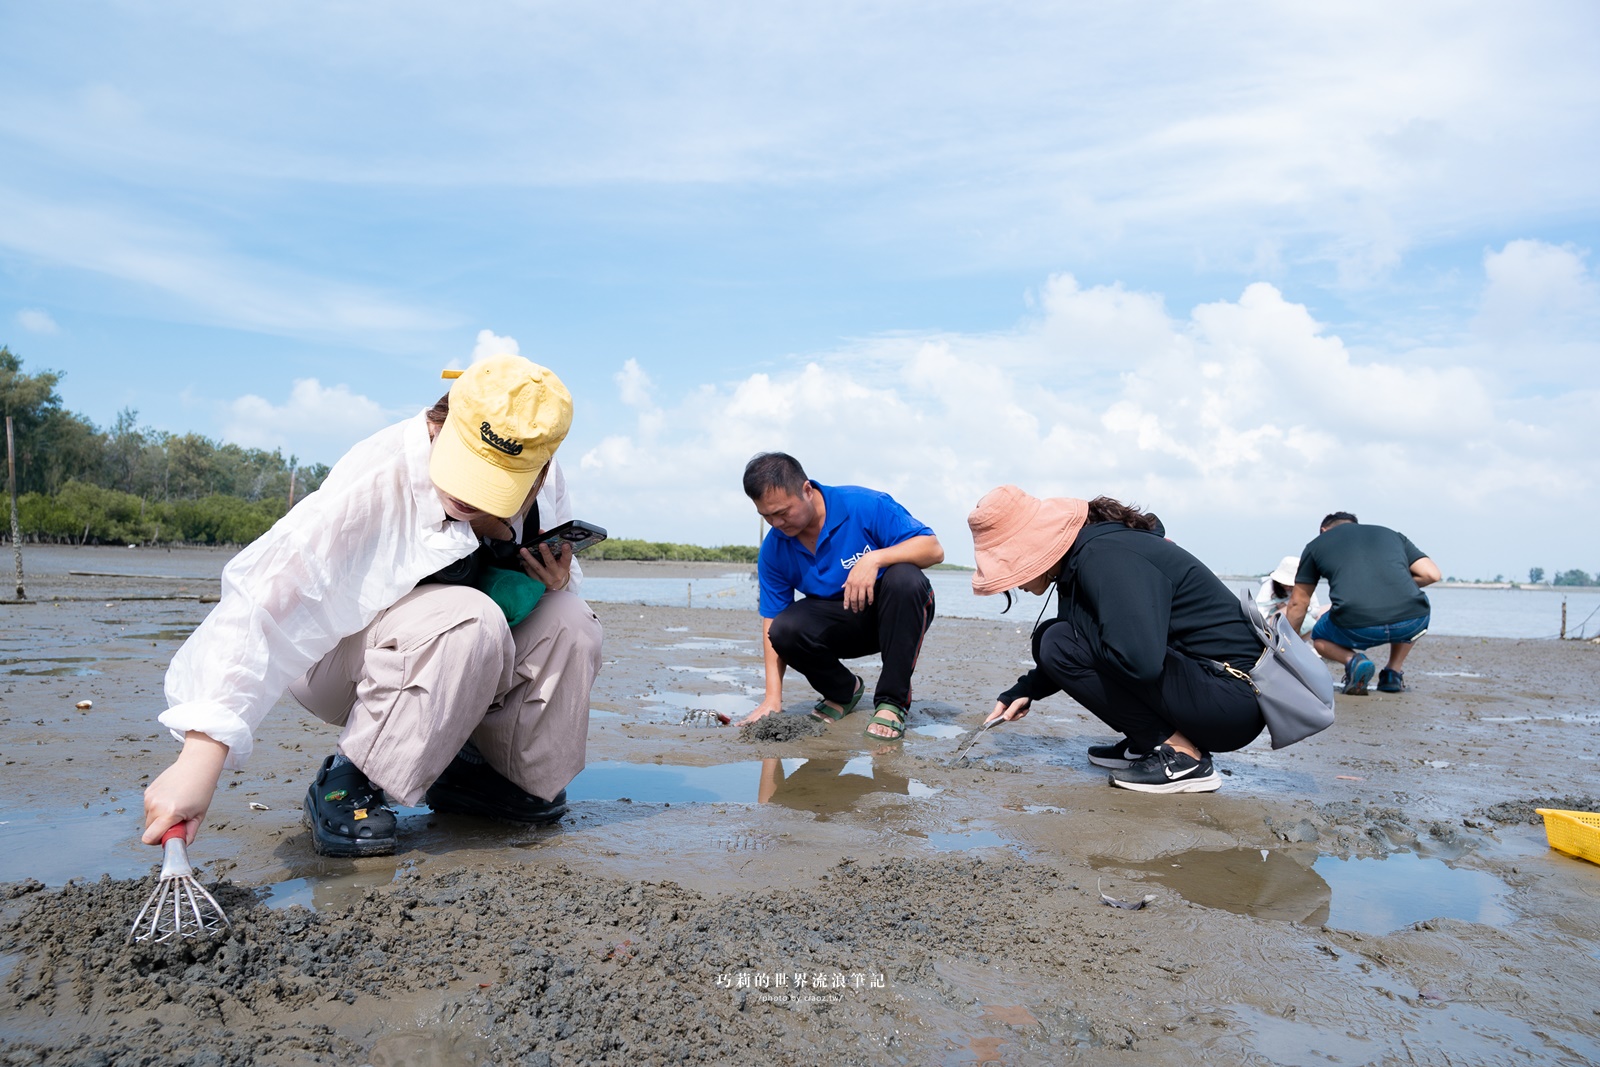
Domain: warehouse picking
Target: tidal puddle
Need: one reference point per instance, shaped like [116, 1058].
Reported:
[960, 841]
[324, 884]
[712, 644]
[823, 786]
[1588, 718]
[178, 634]
[1374, 896]
[733, 705]
[1379, 895]
[58, 845]
[939, 729]
[665, 783]
[35, 667]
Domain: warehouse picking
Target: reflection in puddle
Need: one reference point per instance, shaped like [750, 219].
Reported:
[966, 839]
[825, 787]
[1378, 895]
[329, 884]
[729, 704]
[318, 882]
[663, 783]
[939, 729]
[55, 845]
[1246, 881]
[830, 786]
[1372, 896]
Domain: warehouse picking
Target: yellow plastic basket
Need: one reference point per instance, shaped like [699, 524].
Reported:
[1574, 832]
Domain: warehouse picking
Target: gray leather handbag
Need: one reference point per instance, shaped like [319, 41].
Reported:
[1293, 687]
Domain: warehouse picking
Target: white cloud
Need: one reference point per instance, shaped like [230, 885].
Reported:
[1537, 287]
[1352, 131]
[633, 385]
[35, 320]
[316, 420]
[196, 273]
[1241, 425]
[490, 344]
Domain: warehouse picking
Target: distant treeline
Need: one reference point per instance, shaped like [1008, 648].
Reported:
[129, 484]
[1571, 577]
[656, 551]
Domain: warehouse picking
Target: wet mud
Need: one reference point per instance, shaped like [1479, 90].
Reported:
[1380, 893]
[776, 729]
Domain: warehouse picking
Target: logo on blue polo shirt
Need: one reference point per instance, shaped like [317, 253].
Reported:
[853, 560]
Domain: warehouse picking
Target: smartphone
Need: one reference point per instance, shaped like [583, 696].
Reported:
[577, 533]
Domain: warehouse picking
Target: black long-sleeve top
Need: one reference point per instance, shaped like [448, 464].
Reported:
[1132, 595]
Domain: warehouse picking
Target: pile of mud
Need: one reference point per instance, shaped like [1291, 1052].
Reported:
[776, 729]
[1527, 811]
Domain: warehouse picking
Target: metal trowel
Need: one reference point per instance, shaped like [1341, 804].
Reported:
[972, 739]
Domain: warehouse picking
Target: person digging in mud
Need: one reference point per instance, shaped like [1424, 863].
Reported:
[403, 602]
[1146, 637]
[858, 557]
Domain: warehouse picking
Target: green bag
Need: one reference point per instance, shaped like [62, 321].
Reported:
[514, 591]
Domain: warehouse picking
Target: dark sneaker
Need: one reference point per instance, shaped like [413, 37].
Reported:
[1357, 674]
[478, 789]
[1117, 756]
[1391, 681]
[1166, 770]
[347, 814]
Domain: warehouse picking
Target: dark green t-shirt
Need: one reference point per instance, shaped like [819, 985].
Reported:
[1369, 574]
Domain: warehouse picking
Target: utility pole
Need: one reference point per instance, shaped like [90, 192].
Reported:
[11, 480]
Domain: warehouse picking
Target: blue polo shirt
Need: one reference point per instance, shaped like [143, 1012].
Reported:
[857, 520]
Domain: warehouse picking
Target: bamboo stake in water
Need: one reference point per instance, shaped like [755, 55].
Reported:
[11, 480]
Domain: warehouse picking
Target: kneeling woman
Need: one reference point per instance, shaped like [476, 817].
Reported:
[1145, 637]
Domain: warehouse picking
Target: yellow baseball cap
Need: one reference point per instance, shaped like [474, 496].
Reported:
[507, 417]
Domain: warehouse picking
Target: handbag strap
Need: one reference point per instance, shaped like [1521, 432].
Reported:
[1252, 614]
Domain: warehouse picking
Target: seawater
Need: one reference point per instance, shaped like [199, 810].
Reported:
[1457, 612]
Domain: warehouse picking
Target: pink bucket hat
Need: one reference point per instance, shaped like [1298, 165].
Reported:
[1016, 536]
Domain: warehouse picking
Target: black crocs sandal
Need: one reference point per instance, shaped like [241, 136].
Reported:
[347, 813]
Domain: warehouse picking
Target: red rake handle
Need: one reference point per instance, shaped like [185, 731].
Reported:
[175, 831]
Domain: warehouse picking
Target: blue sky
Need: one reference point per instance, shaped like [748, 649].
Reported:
[1242, 264]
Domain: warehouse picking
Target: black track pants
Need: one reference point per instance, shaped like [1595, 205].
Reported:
[1214, 710]
[813, 634]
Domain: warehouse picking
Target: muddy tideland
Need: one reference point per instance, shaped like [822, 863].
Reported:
[1380, 893]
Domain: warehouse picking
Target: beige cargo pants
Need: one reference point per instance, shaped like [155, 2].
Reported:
[441, 666]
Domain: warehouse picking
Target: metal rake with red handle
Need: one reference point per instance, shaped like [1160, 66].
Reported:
[179, 906]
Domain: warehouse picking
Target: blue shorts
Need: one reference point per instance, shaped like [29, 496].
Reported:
[1364, 637]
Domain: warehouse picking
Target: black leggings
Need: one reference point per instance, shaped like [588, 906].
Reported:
[1213, 709]
[814, 634]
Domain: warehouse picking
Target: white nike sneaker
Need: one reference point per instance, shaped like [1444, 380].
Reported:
[1166, 770]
